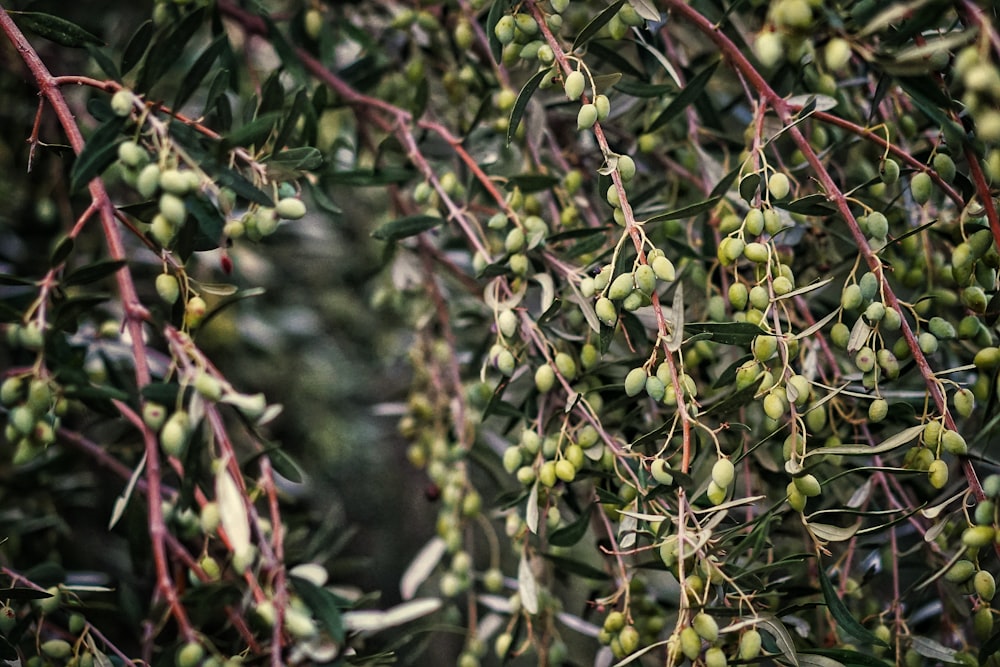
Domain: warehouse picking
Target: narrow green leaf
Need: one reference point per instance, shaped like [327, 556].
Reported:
[9, 279]
[199, 70]
[61, 251]
[815, 204]
[299, 107]
[208, 231]
[989, 647]
[842, 614]
[596, 24]
[104, 62]
[644, 90]
[694, 88]
[572, 533]
[57, 29]
[325, 606]
[405, 227]
[371, 177]
[527, 183]
[686, 212]
[242, 187]
[816, 660]
[497, 10]
[749, 186]
[612, 57]
[733, 401]
[782, 638]
[898, 440]
[935, 651]
[830, 533]
[284, 48]
[846, 657]
[97, 154]
[646, 9]
[254, 132]
[521, 103]
[303, 158]
[21, 592]
[740, 334]
[136, 47]
[93, 272]
[576, 567]
[167, 50]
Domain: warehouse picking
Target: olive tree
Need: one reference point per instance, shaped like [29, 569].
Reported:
[697, 300]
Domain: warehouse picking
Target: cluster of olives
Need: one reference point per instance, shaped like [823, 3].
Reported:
[35, 406]
[981, 533]
[172, 182]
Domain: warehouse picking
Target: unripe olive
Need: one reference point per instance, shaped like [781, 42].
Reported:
[764, 347]
[706, 626]
[655, 388]
[878, 410]
[782, 285]
[10, 390]
[756, 252]
[796, 499]
[175, 182]
[878, 224]
[927, 342]
[621, 287]
[606, 311]
[162, 229]
[985, 585]
[808, 485]
[715, 657]
[148, 180]
[723, 472]
[504, 31]
[23, 419]
[978, 536]
[660, 470]
[964, 401]
[716, 494]
[974, 298]
[664, 269]
[739, 295]
[194, 311]
[982, 623]
[778, 185]
[944, 166]
[574, 85]
[953, 442]
[59, 649]
[545, 378]
[290, 208]
[122, 102]
[172, 208]
[175, 433]
[603, 106]
[645, 279]
[960, 572]
[865, 359]
[889, 172]
[769, 50]
[730, 249]
[586, 117]
[547, 474]
[208, 386]
[937, 473]
[941, 328]
[635, 381]
[629, 639]
[750, 644]
[759, 298]
[920, 187]
[168, 288]
[501, 645]
[690, 643]
[153, 415]
[132, 154]
[774, 406]
[851, 298]
[565, 470]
